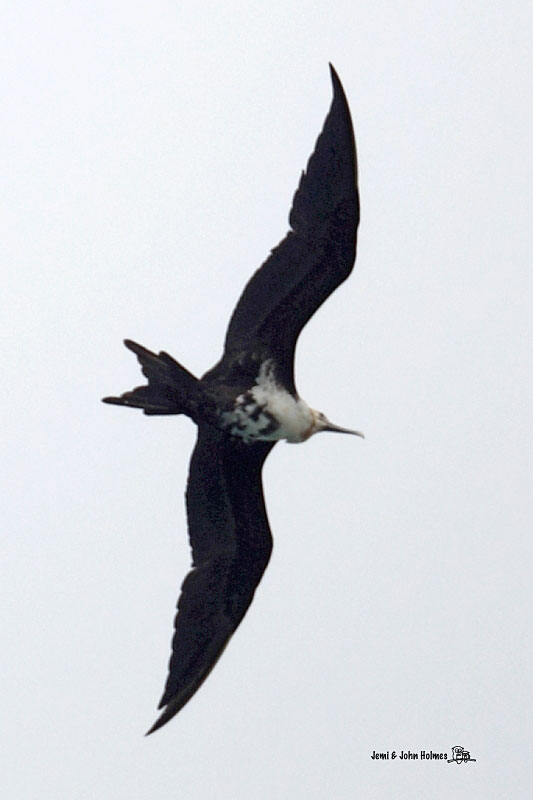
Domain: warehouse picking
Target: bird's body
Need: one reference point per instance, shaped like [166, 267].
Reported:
[247, 402]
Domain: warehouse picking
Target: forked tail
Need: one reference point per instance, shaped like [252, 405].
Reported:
[171, 388]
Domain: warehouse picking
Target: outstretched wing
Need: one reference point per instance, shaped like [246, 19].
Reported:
[231, 545]
[314, 258]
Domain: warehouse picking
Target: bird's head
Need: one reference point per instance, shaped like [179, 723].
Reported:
[321, 423]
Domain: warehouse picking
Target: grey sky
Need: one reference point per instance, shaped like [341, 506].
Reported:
[150, 153]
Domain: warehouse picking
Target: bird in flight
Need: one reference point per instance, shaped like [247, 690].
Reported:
[247, 402]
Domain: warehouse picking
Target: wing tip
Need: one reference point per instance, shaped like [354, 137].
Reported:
[338, 89]
[170, 708]
[334, 74]
[175, 703]
[160, 721]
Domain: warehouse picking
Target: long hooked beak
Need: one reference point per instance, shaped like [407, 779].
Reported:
[337, 429]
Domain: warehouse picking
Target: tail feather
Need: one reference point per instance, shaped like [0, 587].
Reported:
[170, 389]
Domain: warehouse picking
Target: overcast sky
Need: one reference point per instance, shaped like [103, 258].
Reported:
[150, 151]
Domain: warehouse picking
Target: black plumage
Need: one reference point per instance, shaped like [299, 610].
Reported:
[228, 526]
[231, 545]
[316, 255]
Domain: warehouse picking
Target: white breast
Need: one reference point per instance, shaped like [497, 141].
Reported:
[268, 412]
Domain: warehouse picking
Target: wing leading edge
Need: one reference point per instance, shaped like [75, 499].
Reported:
[231, 545]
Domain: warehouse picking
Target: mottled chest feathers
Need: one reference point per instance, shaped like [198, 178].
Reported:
[268, 412]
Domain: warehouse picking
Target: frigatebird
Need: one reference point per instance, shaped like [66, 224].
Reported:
[247, 402]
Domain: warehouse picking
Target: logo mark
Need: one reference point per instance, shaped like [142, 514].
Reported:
[460, 755]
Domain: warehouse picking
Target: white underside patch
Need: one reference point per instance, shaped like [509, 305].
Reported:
[268, 412]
